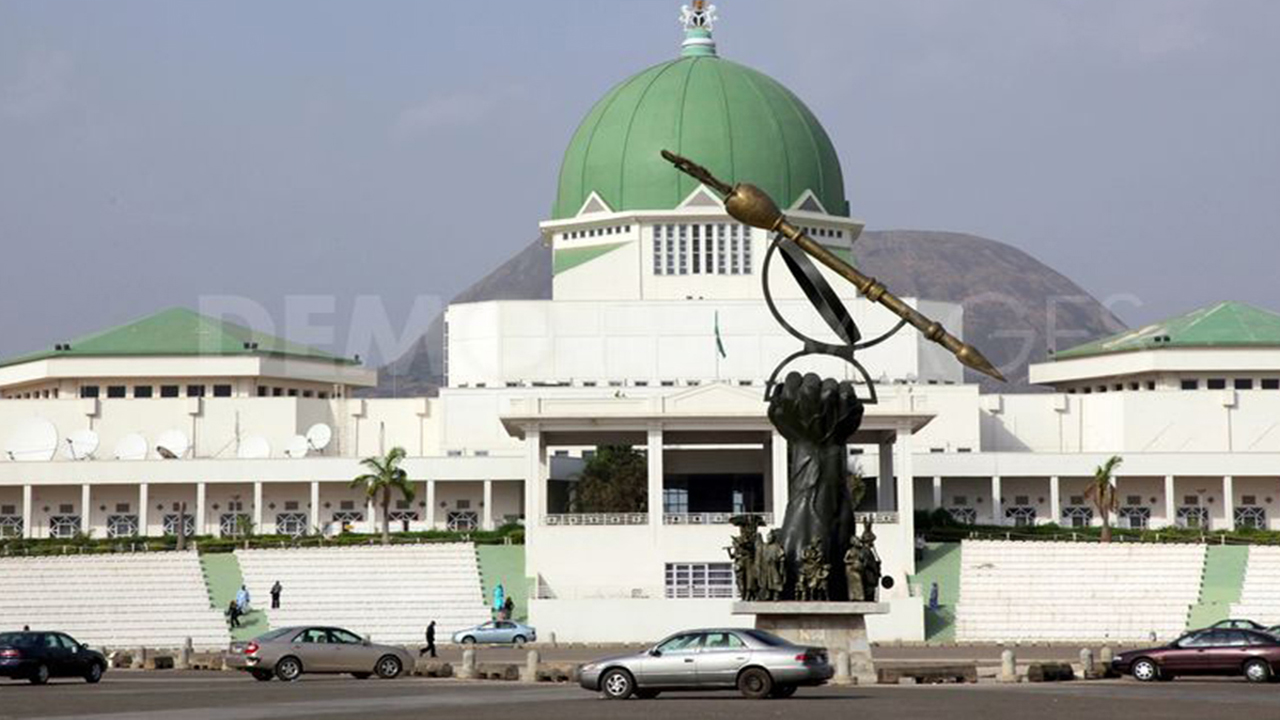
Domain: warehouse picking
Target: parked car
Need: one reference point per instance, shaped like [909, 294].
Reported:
[759, 664]
[1237, 624]
[497, 631]
[38, 656]
[287, 653]
[1212, 651]
[1274, 630]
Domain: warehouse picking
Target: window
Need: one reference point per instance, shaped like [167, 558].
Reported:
[115, 391]
[122, 507]
[1076, 500]
[1271, 383]
[290, 504]
[1190, 500]
[1216, 384]
[142, 391]
[960, 500]
[675, 500]
[683, 252]
[1133, 500]
[722, 641]
[88, 391]
[308, 393]
[1021, 500]
[464, 504]
[277, 392]
[1248, 499]
[222, 391]
[1151, 384]
[66, 508]
[344, 637]
[195, 391]
[699, 580]
[262, 391]
[314, 635]
[293, 392]
[169, 391]
[1243, 384]
[1190, 384]
[347, 505]
[1134, 386]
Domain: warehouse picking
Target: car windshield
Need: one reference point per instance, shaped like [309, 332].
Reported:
[766, 638]
[274, 634]
[17, 639]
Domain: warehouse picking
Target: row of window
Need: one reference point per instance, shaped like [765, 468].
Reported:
[1185, 384]
[173, 391]
[818, 232]
[701, 249]
[597, 232]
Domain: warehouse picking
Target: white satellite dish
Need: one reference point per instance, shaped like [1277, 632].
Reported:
[131, 447]
[254, 447]
[172, 444]
[319, 436]
[36, 440]
[296, 447]
[80, 445]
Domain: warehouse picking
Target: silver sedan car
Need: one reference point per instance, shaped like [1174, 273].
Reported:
[287, 653]
[497, 631]
[759, 664]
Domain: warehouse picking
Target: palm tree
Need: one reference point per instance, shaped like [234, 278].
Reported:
[1102, 492]
[386, 475]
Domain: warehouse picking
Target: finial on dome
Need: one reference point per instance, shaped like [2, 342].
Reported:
[698, 20]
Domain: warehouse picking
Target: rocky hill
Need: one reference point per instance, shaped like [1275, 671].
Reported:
[1012, 302]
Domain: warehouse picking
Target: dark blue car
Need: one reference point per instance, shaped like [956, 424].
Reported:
[38, 656]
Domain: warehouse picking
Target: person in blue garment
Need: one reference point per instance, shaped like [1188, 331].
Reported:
[499, 597]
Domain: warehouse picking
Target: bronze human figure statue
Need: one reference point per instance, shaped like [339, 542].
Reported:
[815, 573]
[743, 552]
[816, 417]
[870, 563]
[853, 569]
[771, 569]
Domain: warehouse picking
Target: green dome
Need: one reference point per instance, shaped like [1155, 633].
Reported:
[741, 124]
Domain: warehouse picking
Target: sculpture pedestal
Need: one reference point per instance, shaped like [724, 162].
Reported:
[837, 626]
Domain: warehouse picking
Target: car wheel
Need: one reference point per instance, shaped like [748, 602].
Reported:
[1257, 671]
[41, 675]
[362, 676]
[755, 683]
[617, 684]
[518, 640]
[783, 691]
[262, 675]
[468, 640]
[1145, 670]
[288, 669]
[389, 667]
[93, 674]
[645, 694]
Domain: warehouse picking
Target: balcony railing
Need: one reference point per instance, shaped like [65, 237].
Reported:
[712, 518]
[559, 519]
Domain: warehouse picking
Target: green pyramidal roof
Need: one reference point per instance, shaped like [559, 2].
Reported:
[741, 124]
[179, 331]
[1227, 324]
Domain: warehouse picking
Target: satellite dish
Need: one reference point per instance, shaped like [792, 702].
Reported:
[254, 447]
[36, 440]
[297, 447]
[80, 445]
[172, 444]
[319, 436]
[131, 447]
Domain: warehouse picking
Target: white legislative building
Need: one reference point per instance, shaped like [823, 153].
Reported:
[657, 336]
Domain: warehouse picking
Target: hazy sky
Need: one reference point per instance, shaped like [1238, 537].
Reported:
[325, 159]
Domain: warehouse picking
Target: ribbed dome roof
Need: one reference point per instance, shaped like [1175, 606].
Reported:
[743, 125]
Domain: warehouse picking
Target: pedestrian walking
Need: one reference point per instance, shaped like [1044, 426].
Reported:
[508, 608]
[233, 615]
[499, 596]
[275, 595]
[242, 599]
[431, 641]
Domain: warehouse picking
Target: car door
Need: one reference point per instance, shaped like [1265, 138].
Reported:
[76, 660]
[673, 663]
[504, 631]
[313, 648]
[723, 653]
[350, 652]
[1187, 655]
[1231, 649]
[56, 657]
[484, 633]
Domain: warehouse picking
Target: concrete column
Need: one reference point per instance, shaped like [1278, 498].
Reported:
[314, 519]
[26, 512]
[486, 520]
[1170, 502]
[144, 505]
[371, 515]
[906, 504]
[937, 492]
[257, 506]
[430, 515]
[1229, 502]
[86, 508]
[1055, 499]
[997, 511]
[656, 473]
[534, 480]
[780, 476]
[884, 477]
[199, 519]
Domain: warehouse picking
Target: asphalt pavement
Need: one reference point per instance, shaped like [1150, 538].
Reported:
[172, 695]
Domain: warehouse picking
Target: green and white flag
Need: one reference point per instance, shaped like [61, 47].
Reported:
[719, 340]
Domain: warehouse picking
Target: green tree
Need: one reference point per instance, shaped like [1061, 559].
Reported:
[385, 475]
[615, 479]
[1102, 493]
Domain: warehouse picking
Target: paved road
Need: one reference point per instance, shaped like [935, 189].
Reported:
[217, 696]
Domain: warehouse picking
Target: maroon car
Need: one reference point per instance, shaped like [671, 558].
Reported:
[1213, 651]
